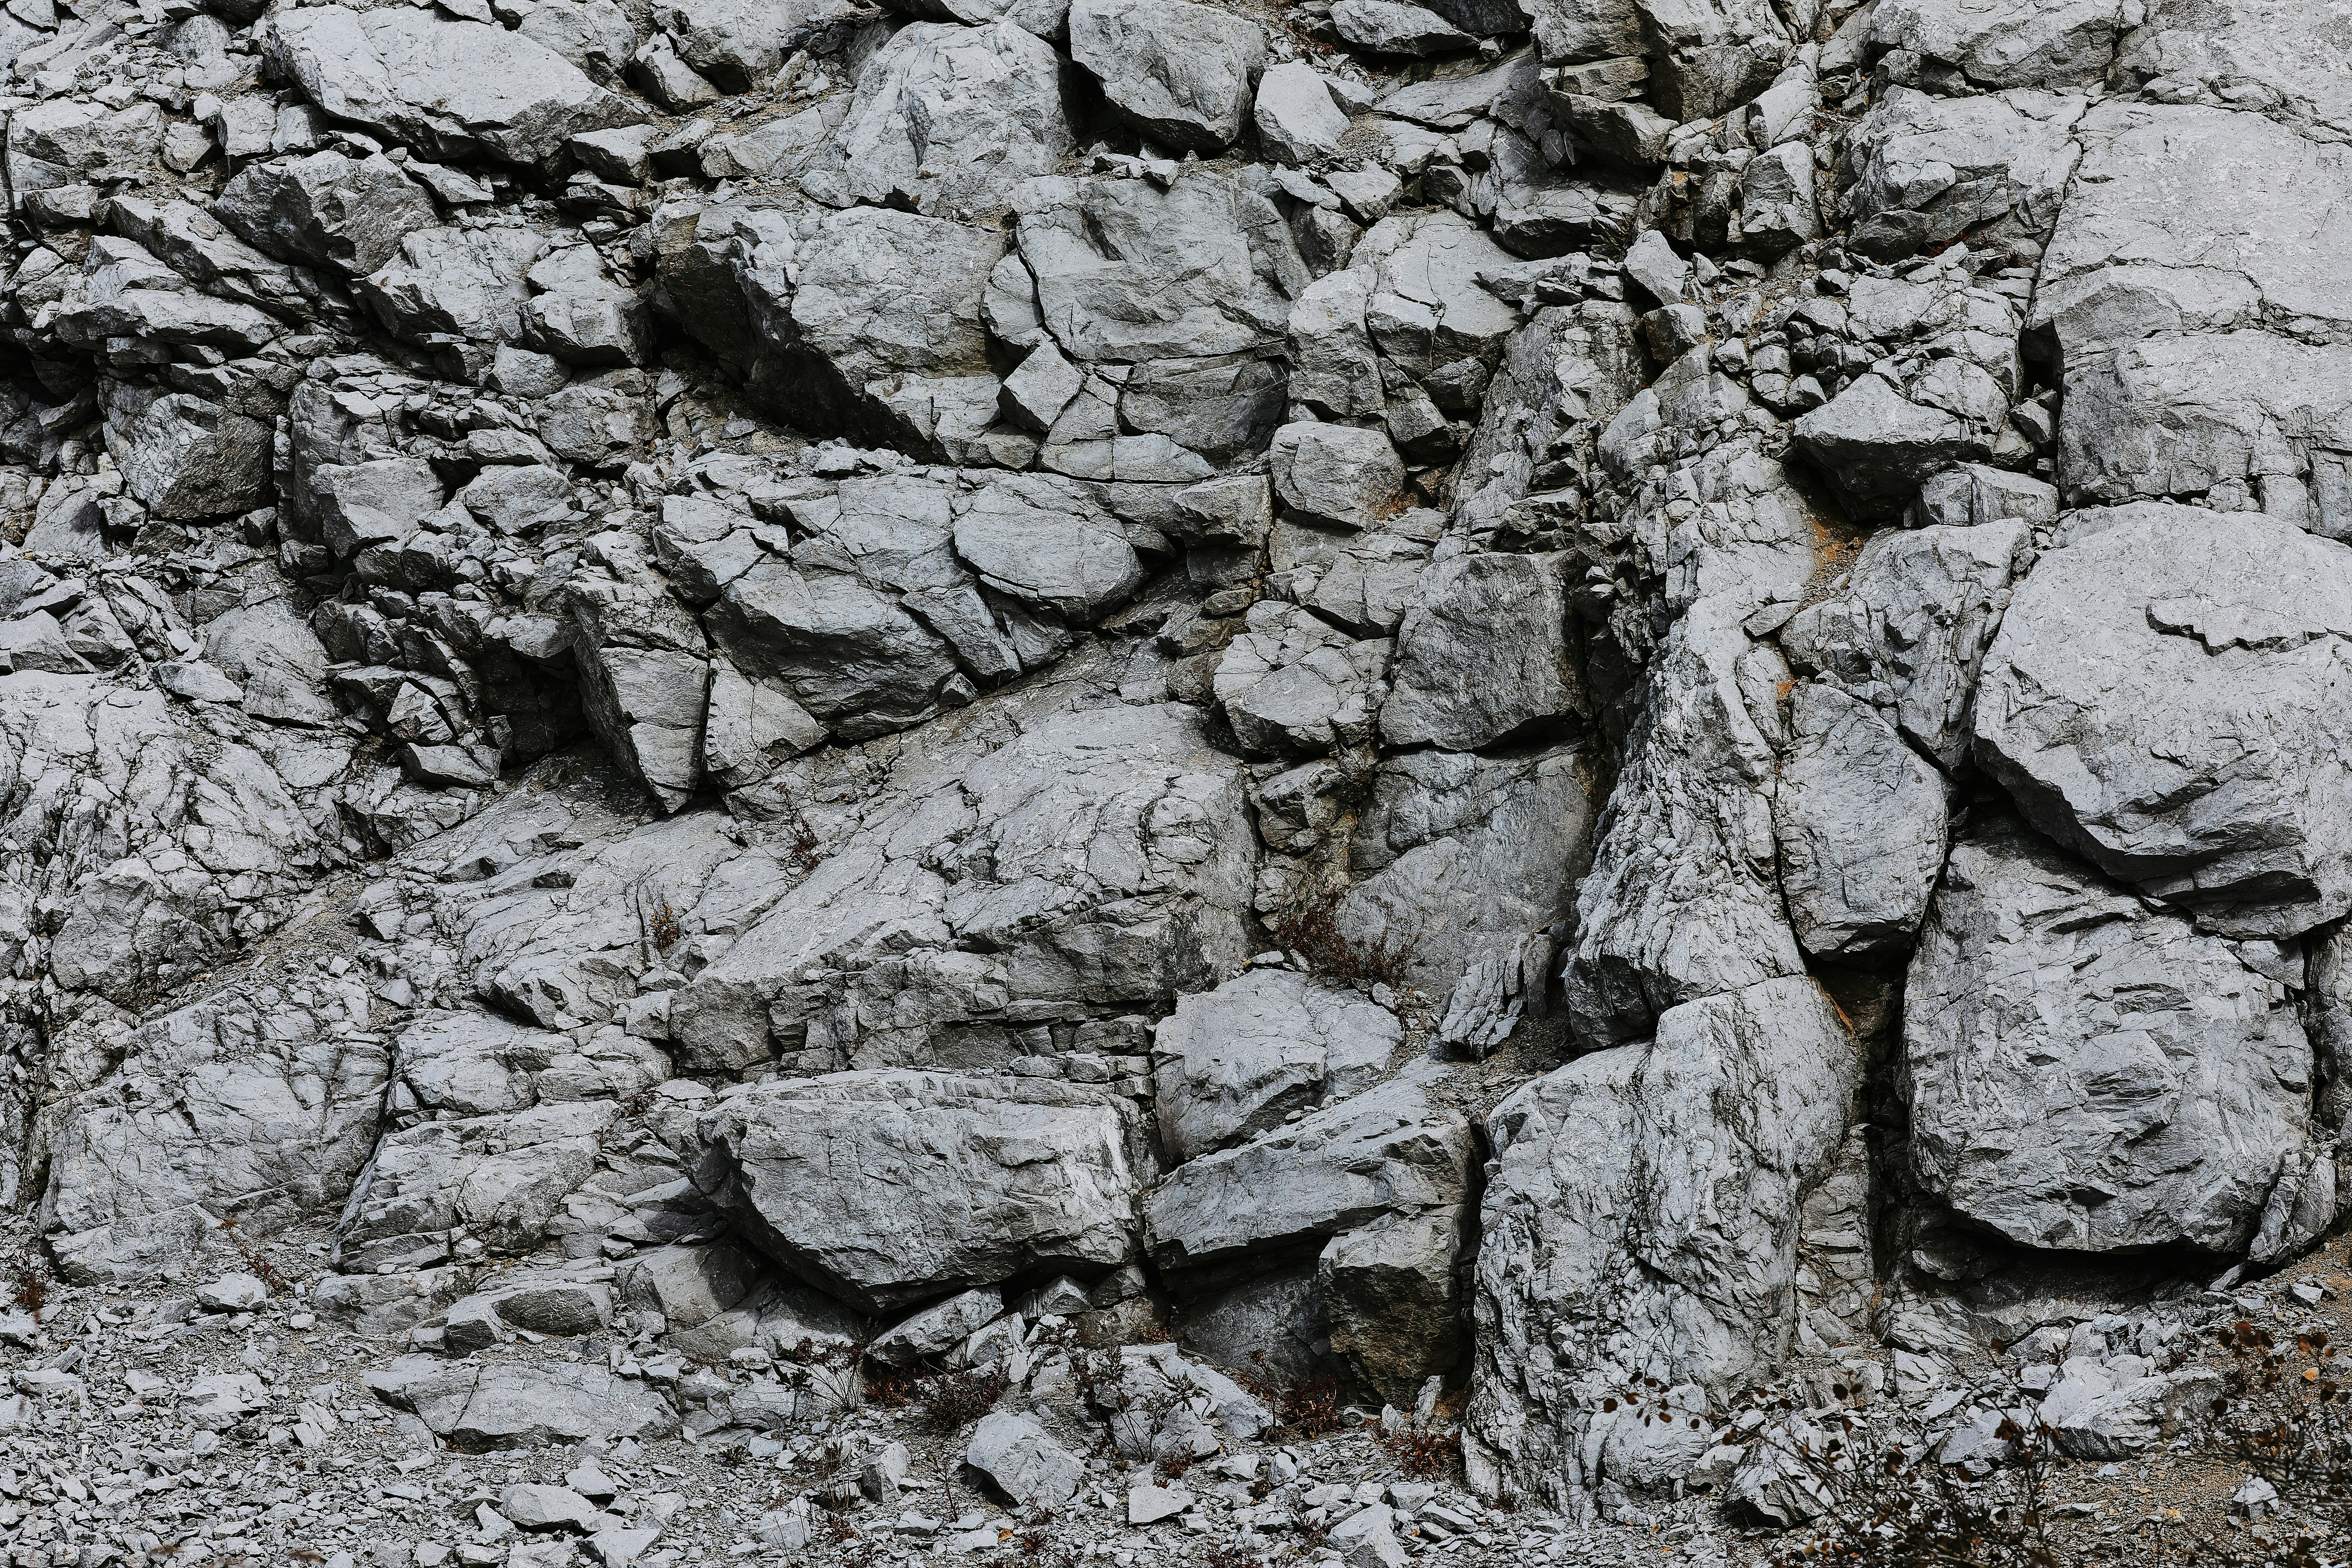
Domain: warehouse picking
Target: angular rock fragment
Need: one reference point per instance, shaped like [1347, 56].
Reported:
[2161, 699]
[2084, 1073]
[1236, 1062]
[888, 1188]
[1181, 74]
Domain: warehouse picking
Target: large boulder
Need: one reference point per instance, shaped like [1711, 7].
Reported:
[2166, 699]
[1483, 654]
[1399, 1148]
[948, 120]
[1068, 866]
[445, 87]
[1640, 1219]
[2085, 1075]
[1860, 817]
[1178, 73]
[327, 208]
[890, 1188]
[254, 1105]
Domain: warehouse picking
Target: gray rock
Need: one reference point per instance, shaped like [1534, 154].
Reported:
[1641, 1218]
[241, 1101]
[535, 1506]
[2137, 703]
[1293, 684]
[1126, 272]
[327, 209]
[1046, 545]
[1390, 26]
[1027, 1465]
[1145, 904]
[1336, 475]
[929, 1181]
[184, 456]
[447, 88]
[521, 1405]
[2042, 1111]
[1393, 1302]
[1391, 1150]
[689, 1286]
[1910, 630]
[1296, 122]
[937, 1329]
[2098, 1414]
[1859, 818]
[499, 1178]
[948, 120]
[2003, 42]
[1178, 73]
[1235, 1062]
[1683, 901]
[1881, 437]
[1929, 170]
[1483, 654]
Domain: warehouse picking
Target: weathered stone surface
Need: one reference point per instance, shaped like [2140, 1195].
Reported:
[1483, 654]
[502, 1406]
[446, 87]
[1641, 1221]
[948, 120]
[1859, 818]
[2162, 697]
[1236, 1062]
[1930, 169]
[2003, 42]
[886, 1188]
[327, 209]
[1392, 1150]
[1026, 1464]
[1683, 901]
[1909, 632]
[2084, 1073]
[1181, 74]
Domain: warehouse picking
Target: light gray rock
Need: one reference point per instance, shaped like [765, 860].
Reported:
[2003, 42]
[934, 1331]
[1930, 169]
[2202, 415]
[521, 1405]
[499, 1178]
[886, 1188]
[1027, 1465]
[2137, 703]
[1483, 654]
[1909, 632]
[1883, 436]
[948, 120]
[2044, 1108]
[689, 1286]
[1683, 901]
[1859, 818]
[447, 88]
[1335, 475]
[1181, 74]
[245, 1103]
[2104, 1413]
[1047, 545]
[1393, 1150]
[1103, 864]
[1293, 684]
[1126, 272]
[1388, 27]
[1235, 1062]
[327, 209]
[1296, 122]
[1640, 1219]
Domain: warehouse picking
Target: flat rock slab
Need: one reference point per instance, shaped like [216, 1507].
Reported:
[889, 1188]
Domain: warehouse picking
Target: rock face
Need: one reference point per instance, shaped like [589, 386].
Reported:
[1558, 707]
[2178, 730]
[2043, 1109]
[884, 1187]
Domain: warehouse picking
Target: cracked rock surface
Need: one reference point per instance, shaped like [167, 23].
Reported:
[1001, 780]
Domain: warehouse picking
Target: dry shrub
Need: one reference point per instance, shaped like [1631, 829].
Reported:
[1311, 929]
[952, 1398]
[1311, 1405]
[1425, 1454]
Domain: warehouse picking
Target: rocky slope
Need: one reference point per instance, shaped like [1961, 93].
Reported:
[1513, 718]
